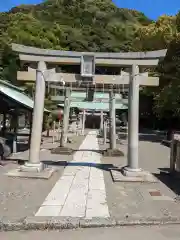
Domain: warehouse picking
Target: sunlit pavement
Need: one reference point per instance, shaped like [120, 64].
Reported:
[125, 233]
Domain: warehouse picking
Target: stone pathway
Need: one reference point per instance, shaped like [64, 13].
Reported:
[27, 194]
[83, 193]
[80, 192]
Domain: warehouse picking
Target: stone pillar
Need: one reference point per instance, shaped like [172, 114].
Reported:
[133, 123]
[105, 131]
[34, 163]
[63, 139]
[101, 123]
[112, 111]
[68, 114]
[15, 126]
[30, 124]
[59, 130]
[83, 121]
[53, 132]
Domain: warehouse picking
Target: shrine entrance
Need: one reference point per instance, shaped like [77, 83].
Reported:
[132, 74]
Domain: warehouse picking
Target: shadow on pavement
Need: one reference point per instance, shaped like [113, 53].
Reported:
[143, 137]
[89, 150]
[104, 167]
[169, 180]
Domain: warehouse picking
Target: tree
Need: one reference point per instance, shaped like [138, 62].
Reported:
[76, 25]
[164, 33]
[156, 35]
[168, 97]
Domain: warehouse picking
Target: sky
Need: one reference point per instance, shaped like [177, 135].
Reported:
[151, 8]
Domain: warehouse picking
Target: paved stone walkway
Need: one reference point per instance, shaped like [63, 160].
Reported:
[80, 191]
[27, 194]
[84, 194]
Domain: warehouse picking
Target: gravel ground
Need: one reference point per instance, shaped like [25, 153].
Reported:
[21, 197]
[132, 200]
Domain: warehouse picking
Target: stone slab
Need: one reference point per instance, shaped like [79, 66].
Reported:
[71, 170]
[96, 184]
[78, 196]
[75, 204]
[44, 174]
[118, 176]
[59, 193]
[97, 204]
[49, 211]
[77, 155]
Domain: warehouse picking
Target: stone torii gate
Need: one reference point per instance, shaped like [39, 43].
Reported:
[135, 61]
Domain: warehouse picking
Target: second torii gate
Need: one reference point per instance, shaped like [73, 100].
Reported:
[135, 61]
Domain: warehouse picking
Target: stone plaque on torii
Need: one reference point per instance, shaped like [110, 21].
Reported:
[135, 61]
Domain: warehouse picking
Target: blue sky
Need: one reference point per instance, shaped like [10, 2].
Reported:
[152, 8]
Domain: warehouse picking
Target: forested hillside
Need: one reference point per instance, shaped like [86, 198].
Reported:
[95, 25]
[81, 25]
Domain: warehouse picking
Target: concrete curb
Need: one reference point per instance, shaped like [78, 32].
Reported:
[59, 223]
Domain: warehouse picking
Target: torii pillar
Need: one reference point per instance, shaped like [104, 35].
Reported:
[34, 168]
[34, 163]
[64, 133]
[132, 170]
[83, 122]
[63, 148]
[112, 151]
[133, 123]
